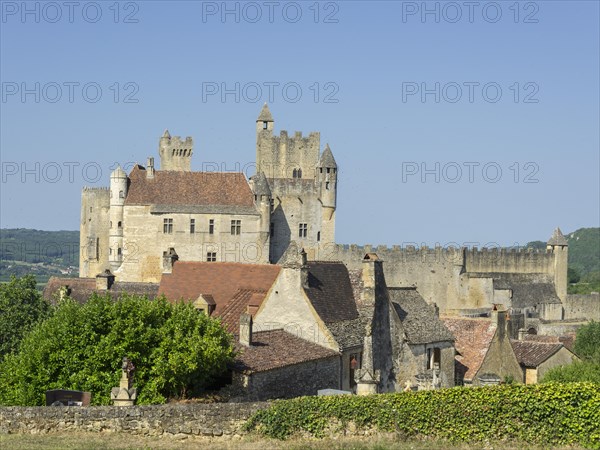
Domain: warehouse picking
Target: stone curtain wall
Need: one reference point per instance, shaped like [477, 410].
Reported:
[216, 419]
[582, 306]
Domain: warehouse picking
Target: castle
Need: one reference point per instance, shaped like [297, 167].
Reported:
[148, 219]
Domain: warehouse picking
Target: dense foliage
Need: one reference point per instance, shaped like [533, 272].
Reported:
[543, 414]
[21, 307]
[176, 351]
[587, 347]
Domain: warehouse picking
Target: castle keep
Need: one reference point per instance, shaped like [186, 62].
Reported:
[151, 217]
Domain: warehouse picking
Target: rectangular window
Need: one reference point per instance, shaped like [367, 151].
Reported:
[211, 226]
[192, 226]
[302, 230]
[236, 227]
[272, 205]
[168, 226]
[434, 358]
[211, 256]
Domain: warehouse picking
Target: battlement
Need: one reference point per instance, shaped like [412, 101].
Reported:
[504, 260]
[175, 152]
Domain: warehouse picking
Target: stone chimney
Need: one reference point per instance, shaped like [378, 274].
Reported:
[169, 259]
[522, 333]
[246, 329]
[304, 269]
[150, 168]
[104, 280]
[499, 318]
[372, 269]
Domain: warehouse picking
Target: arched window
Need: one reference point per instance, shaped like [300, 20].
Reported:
[119, 224]
[295, 174]
[121, 194]
[299, 173]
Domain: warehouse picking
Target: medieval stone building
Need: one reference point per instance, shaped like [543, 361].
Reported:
[151, 216]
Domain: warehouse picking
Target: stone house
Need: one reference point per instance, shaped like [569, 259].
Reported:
[405, 343]
[537, 357]
[484, 351]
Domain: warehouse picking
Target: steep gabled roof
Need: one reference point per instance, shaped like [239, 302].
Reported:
[177, 188]
[277, 348]
[330, 292]
[232, 285]
[418, 318]
[532, 354]
[472, 341]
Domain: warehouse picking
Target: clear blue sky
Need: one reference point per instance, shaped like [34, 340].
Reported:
[377, 58]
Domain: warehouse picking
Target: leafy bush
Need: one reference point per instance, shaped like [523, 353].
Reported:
[587, 344]
[546, 414]
[579, 371]
[175, 349]
[21, 307]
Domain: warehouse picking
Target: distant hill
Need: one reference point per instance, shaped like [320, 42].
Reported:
[584, 249]
[42, 253]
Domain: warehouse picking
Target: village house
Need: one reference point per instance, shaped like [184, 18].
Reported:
[484, 351]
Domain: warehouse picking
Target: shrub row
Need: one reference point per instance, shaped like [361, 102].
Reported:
[537, 414]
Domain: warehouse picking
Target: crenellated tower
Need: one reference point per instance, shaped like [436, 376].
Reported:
[175, 153]
[118, 193]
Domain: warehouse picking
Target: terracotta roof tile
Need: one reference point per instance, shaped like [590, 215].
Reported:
[236, 283]
[188, 189]
[277, 348]
[473, 338]
[532, 354]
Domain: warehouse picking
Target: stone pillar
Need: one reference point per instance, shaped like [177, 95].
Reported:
[125, 394]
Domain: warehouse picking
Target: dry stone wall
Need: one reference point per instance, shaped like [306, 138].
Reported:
[216, 419]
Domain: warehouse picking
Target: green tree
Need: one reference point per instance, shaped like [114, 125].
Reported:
[587, 347]
[176, 351]
[587, 343]
[21, 307]
[573, 275]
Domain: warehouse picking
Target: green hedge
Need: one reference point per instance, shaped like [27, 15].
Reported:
[536, 414]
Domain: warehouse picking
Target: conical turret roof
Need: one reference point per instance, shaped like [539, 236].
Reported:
[327, 159]
[261, 185]
[166, 134]
[557, 238]
[265, 114]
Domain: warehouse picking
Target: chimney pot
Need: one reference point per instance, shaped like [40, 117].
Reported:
[246, 329]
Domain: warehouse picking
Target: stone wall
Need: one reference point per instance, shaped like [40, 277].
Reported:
[217, 419]
[293, 381]
[582, 306]
[93, 231]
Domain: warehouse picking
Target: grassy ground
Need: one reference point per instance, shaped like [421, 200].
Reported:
[97, 441]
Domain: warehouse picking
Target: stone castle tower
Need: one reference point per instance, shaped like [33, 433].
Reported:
[303, 185]
[175, 153]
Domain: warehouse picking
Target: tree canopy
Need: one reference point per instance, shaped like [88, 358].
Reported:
[21, 307]
[176, 351]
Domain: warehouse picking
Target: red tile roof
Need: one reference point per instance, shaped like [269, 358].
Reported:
[233, 286]
[277, 348]
[473, 338]
[188, 188]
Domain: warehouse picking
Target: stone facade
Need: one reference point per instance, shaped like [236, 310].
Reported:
[131, 225]
[291, 381]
